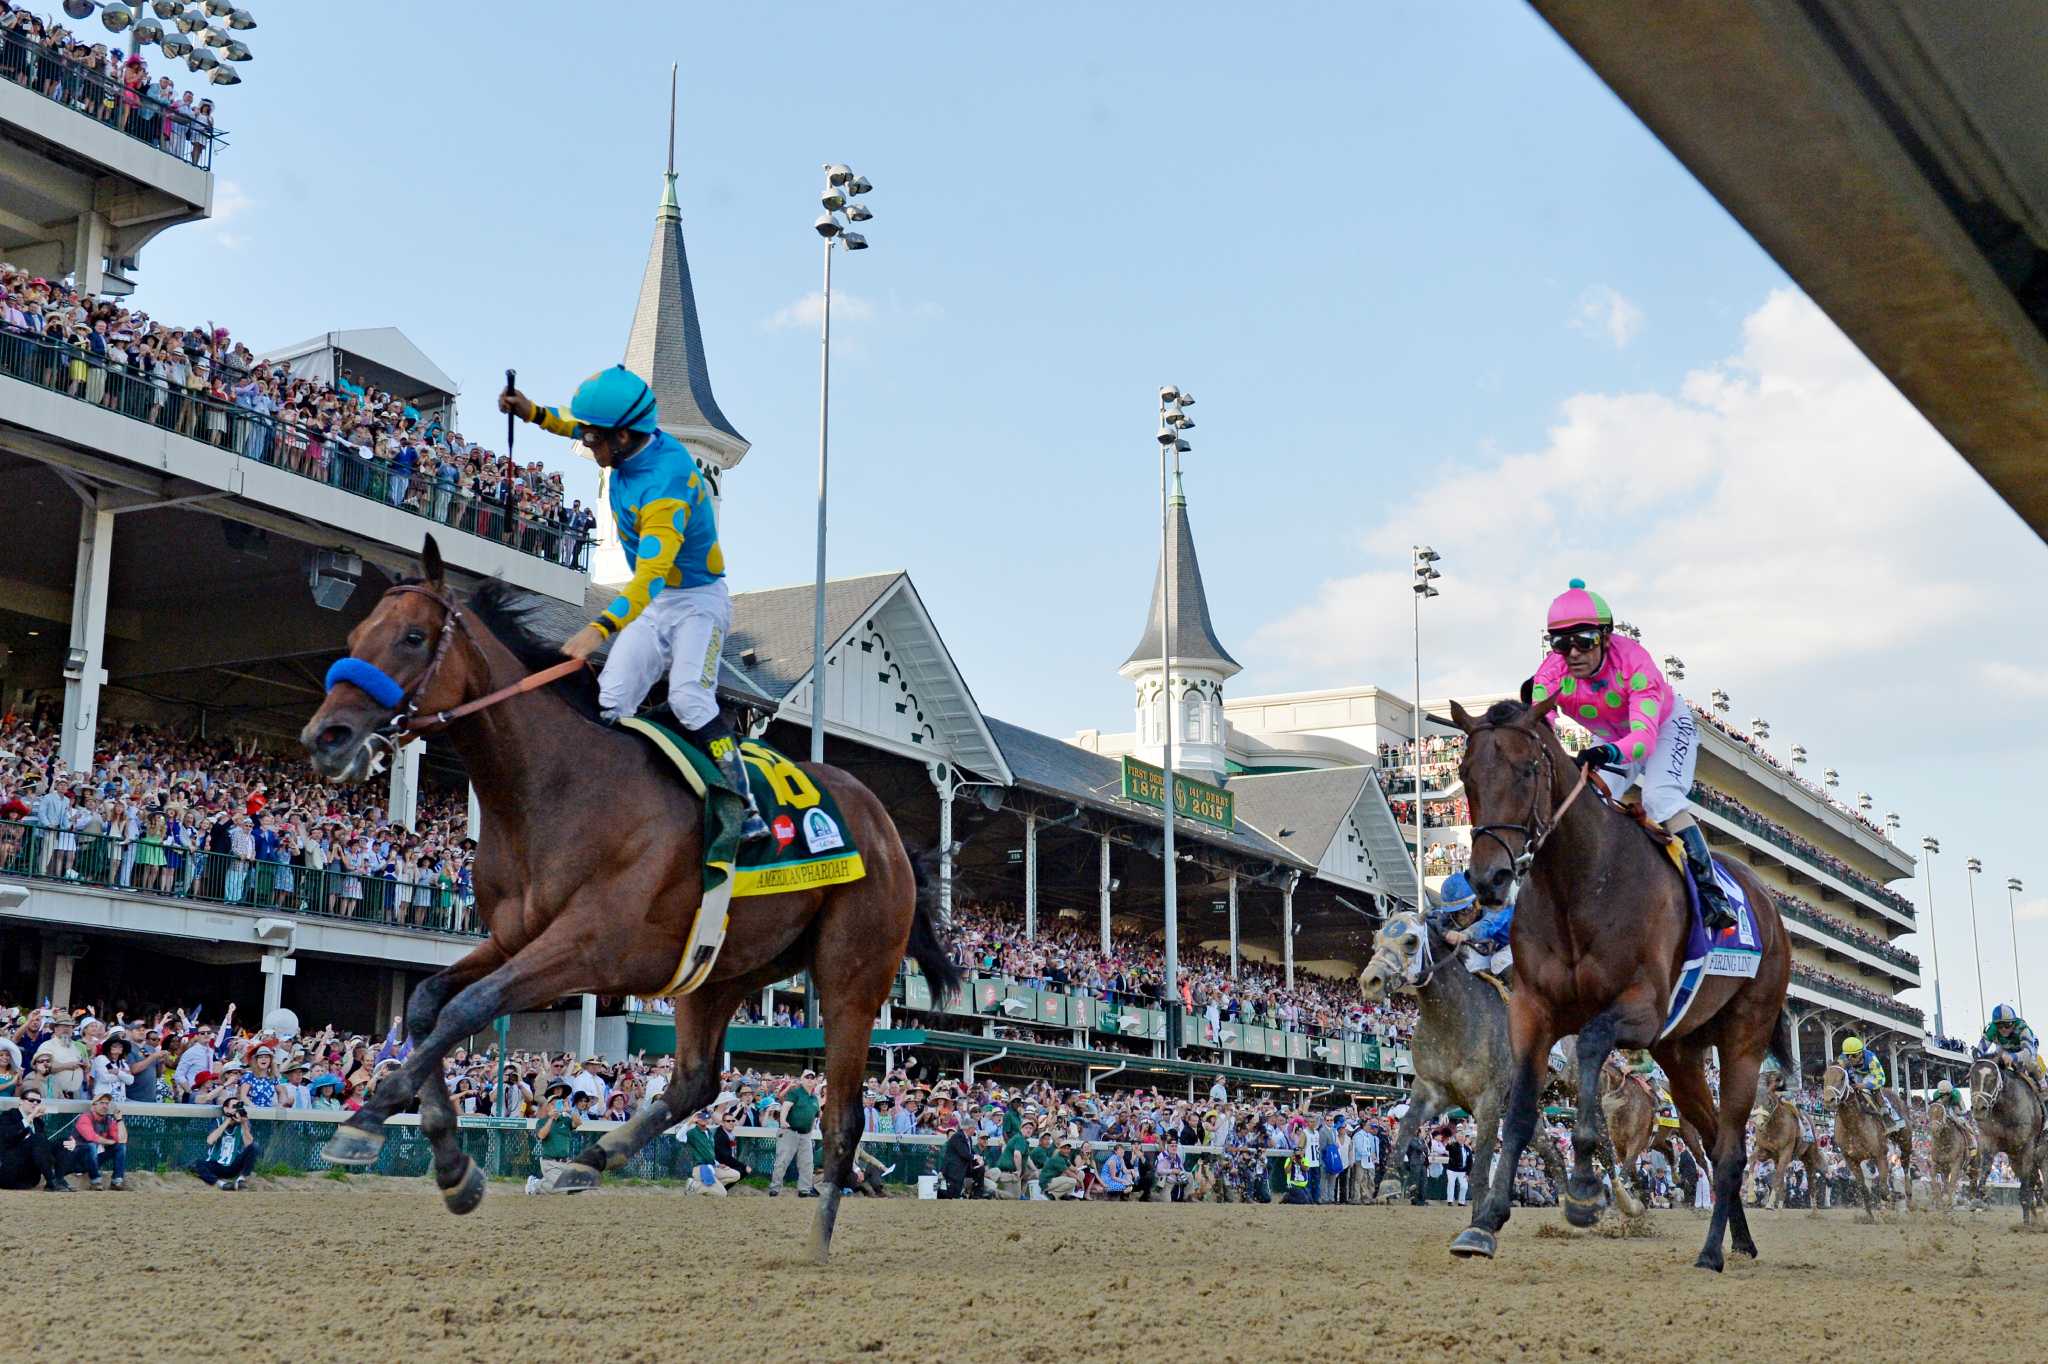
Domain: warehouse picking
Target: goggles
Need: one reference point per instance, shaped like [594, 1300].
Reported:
[1570, 641]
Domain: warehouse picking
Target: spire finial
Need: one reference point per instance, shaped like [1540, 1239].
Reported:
[671, 120]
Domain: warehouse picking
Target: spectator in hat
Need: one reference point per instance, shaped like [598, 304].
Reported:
[1056, 1173]
[230, 1148]
[961, 1168]
[102, 1147]
[554, 1133]
[707, 1174]
[65, 1075]
[326, 1093]
[295, 1092]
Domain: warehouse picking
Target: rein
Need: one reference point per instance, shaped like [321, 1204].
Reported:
[406, 723]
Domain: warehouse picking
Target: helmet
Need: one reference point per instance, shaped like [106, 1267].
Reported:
[614, 399]
[2004, 1016]
[1456, 891]
[1852, 1045]
[1578, 606]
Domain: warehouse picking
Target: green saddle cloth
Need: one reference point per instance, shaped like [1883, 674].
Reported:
[809, 846]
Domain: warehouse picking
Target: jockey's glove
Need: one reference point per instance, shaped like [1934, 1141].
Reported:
[1599, 755]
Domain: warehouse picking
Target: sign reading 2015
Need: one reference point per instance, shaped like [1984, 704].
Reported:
[1145, 784]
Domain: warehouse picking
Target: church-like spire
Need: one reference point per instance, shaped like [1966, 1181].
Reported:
[1194, 635]
[666, 345]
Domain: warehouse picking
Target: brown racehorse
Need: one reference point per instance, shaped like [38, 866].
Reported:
[1628, 1107]
[1951, 1155]
[1861, 1120]
[589, 872]
[1781, 1138]
[1600, 930]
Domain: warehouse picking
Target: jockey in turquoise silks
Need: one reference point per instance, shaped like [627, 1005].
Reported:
[671, 617]
[1486, 941]
[2008, 1038]
[1613, 687]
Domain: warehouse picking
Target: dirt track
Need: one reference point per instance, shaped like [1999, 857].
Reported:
[312, 1269]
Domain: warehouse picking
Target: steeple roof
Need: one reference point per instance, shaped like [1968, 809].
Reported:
[1194, 634]
[666, 345]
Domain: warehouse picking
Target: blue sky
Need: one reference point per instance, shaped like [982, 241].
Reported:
[1426, 275]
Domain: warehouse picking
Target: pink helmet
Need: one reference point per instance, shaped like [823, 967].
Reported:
[1577, 606]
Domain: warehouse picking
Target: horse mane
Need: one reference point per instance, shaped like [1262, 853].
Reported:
[509, 614]
[1505, 712]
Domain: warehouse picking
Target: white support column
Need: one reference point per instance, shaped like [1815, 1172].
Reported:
[1103, 892]
[1287, 926]
[1798, 1067]
[1233, 925]
[943, 781]
[61, 968]
[1030, 877]
[89, 252]
[88, 634]
[476, 815]
[276, 964]
[586, 1027]
[404, 803]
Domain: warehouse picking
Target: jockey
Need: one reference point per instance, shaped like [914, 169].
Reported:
[1611, 685]
[1945, 1094]
[1866, 1072]
[1486, 941]
[671, 618]
[2008, 1038]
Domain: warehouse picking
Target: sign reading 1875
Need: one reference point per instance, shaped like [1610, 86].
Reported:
[1196, 800]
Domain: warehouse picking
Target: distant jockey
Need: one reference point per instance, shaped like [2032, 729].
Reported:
[1866, 1072]
[2007, 1038]
[1486, 942]
[1611, 685]
[672, 616]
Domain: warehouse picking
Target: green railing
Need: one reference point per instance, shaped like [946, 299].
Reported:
[147, 396]
[156, 869]
[1777, 836]
[77, 86]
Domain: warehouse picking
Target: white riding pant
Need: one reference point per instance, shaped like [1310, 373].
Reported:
[680, 633]
[1666, 775]
[1498, 962]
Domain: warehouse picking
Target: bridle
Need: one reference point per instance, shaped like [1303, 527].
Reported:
[405, 722]
[1416, 970]
[1537, 829]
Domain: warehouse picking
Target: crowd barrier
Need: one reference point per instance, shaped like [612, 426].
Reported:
[96, 96]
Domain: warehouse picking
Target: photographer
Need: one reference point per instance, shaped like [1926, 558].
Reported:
[102, 1137]
[27, 1149]
[230, 1148]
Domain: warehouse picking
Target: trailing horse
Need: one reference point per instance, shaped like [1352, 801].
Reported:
[1951, 1156]
[1783, 1135]
[1460, 1047]
[2009, 1117]
[589, 876]
[1602, 924]
[1860, 1135]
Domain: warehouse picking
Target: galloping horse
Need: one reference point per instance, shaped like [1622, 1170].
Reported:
[2009, 1117]
[1628, 1108]
[1951, 1156]
[1601, 923]
[1783, 1136]
[1860, 1135]
[589, 875]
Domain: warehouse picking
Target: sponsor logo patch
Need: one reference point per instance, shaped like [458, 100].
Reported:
[784, 829]
[821, 833]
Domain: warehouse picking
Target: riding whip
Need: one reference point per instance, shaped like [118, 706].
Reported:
[511, 421]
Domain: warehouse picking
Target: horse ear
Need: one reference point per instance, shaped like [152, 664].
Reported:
[1462, 718]
[431, 567]
[1543, 707]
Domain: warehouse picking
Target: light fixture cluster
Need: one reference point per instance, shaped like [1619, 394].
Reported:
[842, 188]
[171, 24]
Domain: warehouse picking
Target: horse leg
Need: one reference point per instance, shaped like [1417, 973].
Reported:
[455, 1174]
[1425, 1101]
[1487, 1116]
[700, 1029]
[550, 967]
[1738, 1097]
[1529, 1042]
[847, 1039]
[1582, 1199]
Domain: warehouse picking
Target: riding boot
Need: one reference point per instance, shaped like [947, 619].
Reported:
[723, 747]
[1714, 906]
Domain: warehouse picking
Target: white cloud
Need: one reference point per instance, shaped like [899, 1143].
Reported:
[230, 202]
[2032, 911]
[1604, 310]
[1785, 522]
[809, 311]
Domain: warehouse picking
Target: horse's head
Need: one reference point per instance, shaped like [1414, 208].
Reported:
[1401, 956]
[1510, 770]
[1770, 1085]
[401, 660]
[1987, 1081]
[1834, 1083]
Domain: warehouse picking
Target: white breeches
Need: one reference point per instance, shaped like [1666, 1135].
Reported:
[1666, 775]
[680, 633]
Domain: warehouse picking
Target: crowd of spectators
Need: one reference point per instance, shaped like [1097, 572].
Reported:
[1862, 994]
[1796, 907]
[200, 382]
[1453, 813]
[224, 821]
[1728, 807]
[103, 83]
[1749, 741]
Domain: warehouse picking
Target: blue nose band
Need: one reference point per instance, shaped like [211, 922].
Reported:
[374, 681]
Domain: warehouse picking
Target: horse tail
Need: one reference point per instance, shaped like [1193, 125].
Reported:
[1781, 1045]
[928, 930]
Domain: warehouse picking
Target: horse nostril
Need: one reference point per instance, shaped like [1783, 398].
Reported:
[332, 738]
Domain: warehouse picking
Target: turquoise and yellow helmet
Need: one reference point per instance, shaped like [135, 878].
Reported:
[615, 399]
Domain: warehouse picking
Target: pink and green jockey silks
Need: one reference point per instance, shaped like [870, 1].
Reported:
[1626, 702]
[1578, 606]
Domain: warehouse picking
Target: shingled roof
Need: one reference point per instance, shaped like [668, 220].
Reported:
[1194, 634]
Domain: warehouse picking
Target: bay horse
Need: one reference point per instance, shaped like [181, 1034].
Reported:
[1628, 1108]
[2010, 1117]
[589, 872]
[1601, 923]
[1861, 1136]
[1781, 1138]
[1951, 1156]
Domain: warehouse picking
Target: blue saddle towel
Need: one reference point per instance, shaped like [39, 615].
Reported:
[1733, 951]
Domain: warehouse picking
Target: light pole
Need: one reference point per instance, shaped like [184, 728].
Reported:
[1424, 585]
[1932, 847]
[842, 186]
[2012, 909]
[1799, 755]
[1976, 944]
[1674, 668]
[1173, 422]
[1720, 700]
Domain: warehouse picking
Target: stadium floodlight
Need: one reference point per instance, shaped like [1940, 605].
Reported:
[167, 9]
[859, 185]
[191, 21]
[116, 17]
[1799, 754]
[223, 75]
[836, 174]
[832, 198]
[176, 45]
[219, 9]
[1864, 802]
[1760, 727]
[2013, 889]
[1831, 777]
[148, 31]
[854, 241]
[859, 213]
[201, 60]
[78, 9]
[214, 37]
[1720, 700]
[241, 18]
[1892, 820]
[1674, 667]
[236, 52]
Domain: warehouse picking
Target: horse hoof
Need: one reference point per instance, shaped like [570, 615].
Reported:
[1581, 1212]
[573, 1177]
[1708, 1261]
[1475, 1242]
[468, 1191]
[352, 1146]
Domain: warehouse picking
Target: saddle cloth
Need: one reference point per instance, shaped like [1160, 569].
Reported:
[809, 848]
[1733, 951]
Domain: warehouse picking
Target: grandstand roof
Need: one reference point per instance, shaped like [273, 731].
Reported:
[386, 347]
[1301, 811]
[666, 345]
[1194, 635]
[1042, 763]
[775, 626]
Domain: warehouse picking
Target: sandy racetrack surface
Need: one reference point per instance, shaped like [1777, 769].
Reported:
[376, 1270]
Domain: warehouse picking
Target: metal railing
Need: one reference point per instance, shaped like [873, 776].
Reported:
[155, 868]
[1780, 837]
[146, 394]
[1801, 912]
[1828, 985]
[104, 100]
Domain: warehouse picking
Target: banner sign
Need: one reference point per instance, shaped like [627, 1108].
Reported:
[1145, 784]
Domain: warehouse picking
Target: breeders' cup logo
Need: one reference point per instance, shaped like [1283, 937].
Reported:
[785, 831]
[820, 832]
